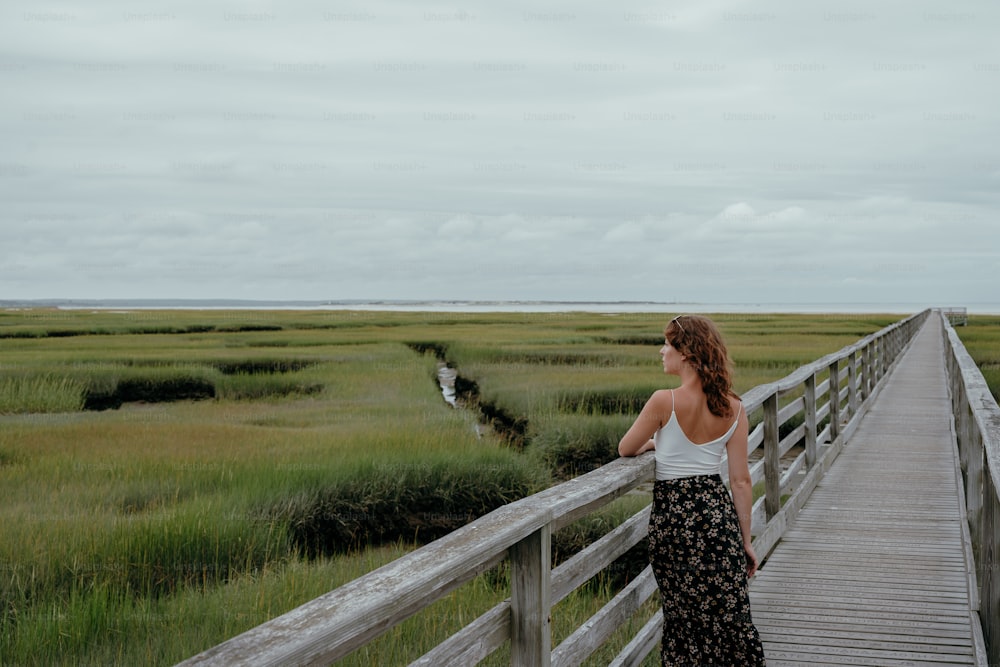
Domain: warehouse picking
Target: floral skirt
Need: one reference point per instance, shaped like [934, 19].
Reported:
[700, 567]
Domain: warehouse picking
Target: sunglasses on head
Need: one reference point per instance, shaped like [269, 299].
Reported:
[678, 320]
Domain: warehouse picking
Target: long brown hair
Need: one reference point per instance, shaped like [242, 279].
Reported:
[698, 339]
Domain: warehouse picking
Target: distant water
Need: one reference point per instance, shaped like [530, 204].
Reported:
[494, 306]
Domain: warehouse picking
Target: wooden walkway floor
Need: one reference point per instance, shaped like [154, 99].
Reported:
[873, 571]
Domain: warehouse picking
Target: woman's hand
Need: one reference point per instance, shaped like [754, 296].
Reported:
[648, 447]
[751, 559]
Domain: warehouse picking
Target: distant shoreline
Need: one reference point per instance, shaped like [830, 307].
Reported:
[485, 306]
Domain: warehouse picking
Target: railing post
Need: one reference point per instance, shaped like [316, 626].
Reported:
[530, 600]
[963, 427]
[866, 366]
[810, 413]
[976, 467]
[834, 394]
[883, 356]
[852, 384]
[986, 572]
[772, 462]
[873, 364]
[876, 362]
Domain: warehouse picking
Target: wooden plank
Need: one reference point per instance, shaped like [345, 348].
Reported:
[856, 604]
[871, 544]
[792, 408]
[890, 575]
[756, 438]
[598, 555]
[842, 644]
[804, 550]
[873, 541]
[824, 435]
[885, 592]
[473, 643]
[794, 658]
[791, 572]
[580, 496]
[642, 644]
[797, 466]
[895, 622]
[826, 636]
[915, 523]
[916, 565]
[902, 559]
[928, 630]
[792, 439]
[870, 656]
[592, 634]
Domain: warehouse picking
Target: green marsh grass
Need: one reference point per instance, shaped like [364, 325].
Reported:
[40, 392]
[172, 520]
[981, 337]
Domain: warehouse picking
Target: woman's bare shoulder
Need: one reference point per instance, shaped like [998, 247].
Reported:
[662, 398]
[736, 403]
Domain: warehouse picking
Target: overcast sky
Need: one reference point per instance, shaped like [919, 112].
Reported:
[689, 150]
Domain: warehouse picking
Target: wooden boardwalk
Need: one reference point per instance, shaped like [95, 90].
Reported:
[874, 571]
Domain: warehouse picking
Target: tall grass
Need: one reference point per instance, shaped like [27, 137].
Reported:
[103, 386]
[40, 393]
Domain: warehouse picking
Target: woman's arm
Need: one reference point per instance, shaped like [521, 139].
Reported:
[638, 439]
[742, 486]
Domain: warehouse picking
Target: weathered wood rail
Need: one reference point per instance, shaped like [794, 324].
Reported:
[828, 396]
[956, 315]
[977, 430]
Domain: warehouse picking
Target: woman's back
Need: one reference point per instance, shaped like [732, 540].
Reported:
[694, 449]
[690, 409]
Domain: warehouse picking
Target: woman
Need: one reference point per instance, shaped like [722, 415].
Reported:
[699, 538]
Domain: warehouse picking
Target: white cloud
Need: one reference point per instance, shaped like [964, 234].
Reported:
[739, 212]
[458, 227]
[790, 214]
[626, 232]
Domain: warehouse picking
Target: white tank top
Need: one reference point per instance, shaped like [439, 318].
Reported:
[677, 456]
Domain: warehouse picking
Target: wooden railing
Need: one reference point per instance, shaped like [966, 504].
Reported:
[957, 315]
[831, 394]
[977, 430]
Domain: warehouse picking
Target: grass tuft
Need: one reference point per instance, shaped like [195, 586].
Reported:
[22, 394]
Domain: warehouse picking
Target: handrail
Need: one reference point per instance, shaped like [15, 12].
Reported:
[336, 623]
[977, 431]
